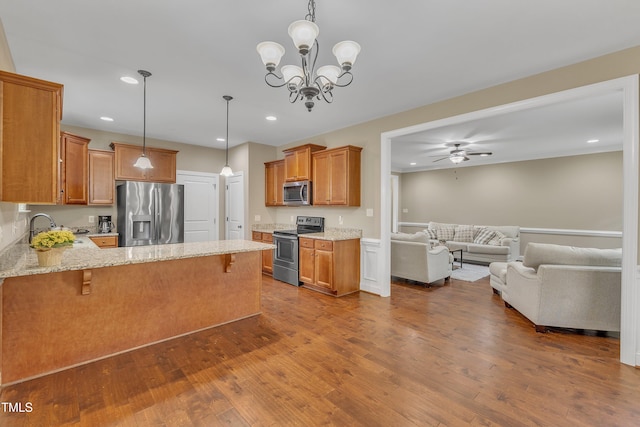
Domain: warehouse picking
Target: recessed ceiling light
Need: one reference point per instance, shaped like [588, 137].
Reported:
[593, 141]
[413, 163]
[129, 80]
[271, 118]
[220, 139]
[106, 119]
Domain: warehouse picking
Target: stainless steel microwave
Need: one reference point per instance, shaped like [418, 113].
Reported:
[297, 193]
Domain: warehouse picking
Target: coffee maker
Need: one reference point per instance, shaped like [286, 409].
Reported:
[104, 224]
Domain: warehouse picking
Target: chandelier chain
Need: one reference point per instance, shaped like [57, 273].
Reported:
[311, 16]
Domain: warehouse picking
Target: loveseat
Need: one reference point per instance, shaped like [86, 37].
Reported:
[479, 243]
[414, 258]
[566, 286]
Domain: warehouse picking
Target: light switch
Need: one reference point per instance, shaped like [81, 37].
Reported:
[257, 218]
[369, 212]
[405, 210]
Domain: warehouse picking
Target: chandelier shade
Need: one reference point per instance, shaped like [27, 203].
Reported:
[306, 83]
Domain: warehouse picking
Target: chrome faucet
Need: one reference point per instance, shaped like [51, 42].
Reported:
[31, 228]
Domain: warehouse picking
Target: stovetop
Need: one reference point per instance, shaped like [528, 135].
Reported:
[306, 224]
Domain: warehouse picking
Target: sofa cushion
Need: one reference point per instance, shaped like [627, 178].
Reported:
[454, 246]
[487, 249]
[446, 232]
[537, 254]
[464, 233]
[435, 225]
[497, 239]
[484, 236]
[512, 231]
[419, 237]
[432, 233]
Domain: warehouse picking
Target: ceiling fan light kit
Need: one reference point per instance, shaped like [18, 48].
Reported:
[306, 83]
[459, 155]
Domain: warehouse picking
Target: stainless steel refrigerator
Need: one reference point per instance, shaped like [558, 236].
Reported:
[150, 213]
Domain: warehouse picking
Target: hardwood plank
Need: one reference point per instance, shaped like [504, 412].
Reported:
[445, 355]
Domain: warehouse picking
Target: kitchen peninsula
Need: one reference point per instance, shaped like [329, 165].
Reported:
[101, 302]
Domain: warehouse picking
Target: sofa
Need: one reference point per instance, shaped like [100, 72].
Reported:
[566, 286]
[479, 243]
[414, 258]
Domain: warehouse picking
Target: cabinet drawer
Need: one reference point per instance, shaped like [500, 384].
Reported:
[267, 238]
[256, 235]
[306, 243]
[106, 241]
[325, 245]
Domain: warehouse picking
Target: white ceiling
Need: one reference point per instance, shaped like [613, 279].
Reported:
[414, 52]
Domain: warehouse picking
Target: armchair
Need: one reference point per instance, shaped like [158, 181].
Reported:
[413, 258]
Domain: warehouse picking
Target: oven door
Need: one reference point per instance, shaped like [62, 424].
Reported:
[285, 258]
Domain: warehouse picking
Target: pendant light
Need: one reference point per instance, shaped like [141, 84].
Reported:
[143, 161]
[226, 170]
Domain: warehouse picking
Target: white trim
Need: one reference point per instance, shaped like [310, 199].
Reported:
[533, 230]
[370, 266]
[629, 328]
[629, 88]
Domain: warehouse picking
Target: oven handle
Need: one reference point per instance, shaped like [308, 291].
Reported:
[284, 236]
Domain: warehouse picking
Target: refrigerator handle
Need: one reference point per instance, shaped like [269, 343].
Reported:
[156, 207]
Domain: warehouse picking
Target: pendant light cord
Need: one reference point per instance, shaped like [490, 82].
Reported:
[227, 98]
[144, 74]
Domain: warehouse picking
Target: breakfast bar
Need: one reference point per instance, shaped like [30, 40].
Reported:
[101, 302]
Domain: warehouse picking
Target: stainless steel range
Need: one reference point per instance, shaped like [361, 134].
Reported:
[285, 256]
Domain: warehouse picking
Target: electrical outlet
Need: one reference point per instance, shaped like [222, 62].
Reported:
[369, 212]
[292, 220]
[257, 218]
[405, 210]
[92, 219]
[340, 222]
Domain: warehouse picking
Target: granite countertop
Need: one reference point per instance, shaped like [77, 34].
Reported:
[21, 260]
[330, 233]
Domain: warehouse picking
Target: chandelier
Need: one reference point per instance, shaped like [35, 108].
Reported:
[306, 83]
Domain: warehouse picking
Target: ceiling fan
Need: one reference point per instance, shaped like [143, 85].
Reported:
[459, 155]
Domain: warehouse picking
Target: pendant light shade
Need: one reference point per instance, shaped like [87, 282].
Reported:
[143, 161]
[226, 170]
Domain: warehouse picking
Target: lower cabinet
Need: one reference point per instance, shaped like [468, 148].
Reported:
[267, 256]
[332, 267]
[105, 242]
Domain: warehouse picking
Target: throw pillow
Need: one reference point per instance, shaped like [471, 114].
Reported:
[484, 237]
[464, 233]
[432, 233]
[445, 232]
[497, 239]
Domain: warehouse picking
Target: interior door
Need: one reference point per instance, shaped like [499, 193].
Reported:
[234, 201]
[200, 205]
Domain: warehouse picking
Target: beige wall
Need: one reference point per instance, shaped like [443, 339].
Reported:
[367, 135]
[579, 192]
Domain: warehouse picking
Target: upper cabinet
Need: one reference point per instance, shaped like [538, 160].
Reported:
[74, 168]
[297, 162]
[336, 176]
[31, 110]
[101, 179]
[273, 180]
[163, 161]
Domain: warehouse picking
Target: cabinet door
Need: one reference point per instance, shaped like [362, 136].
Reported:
[306, 265]
[321, 179]
[164, 165]
[125, 157]
[278, 183]
[30, 139]
[75, 169]
[291, 166]
[101, 181]
[338, 180]
[324, 269]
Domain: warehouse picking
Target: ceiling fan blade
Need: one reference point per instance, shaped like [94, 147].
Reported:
[480, 153]
[441, 158]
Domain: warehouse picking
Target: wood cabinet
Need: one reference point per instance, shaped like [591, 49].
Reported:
[101, 178]
[336, 176]
[105, 242]
[163, 161]
[267, 255]
[297, 162]
[74, 169]
[31, 110]
[331, 267]
[273, 180]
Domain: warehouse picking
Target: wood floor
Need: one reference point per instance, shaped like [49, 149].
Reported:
[446, 355]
